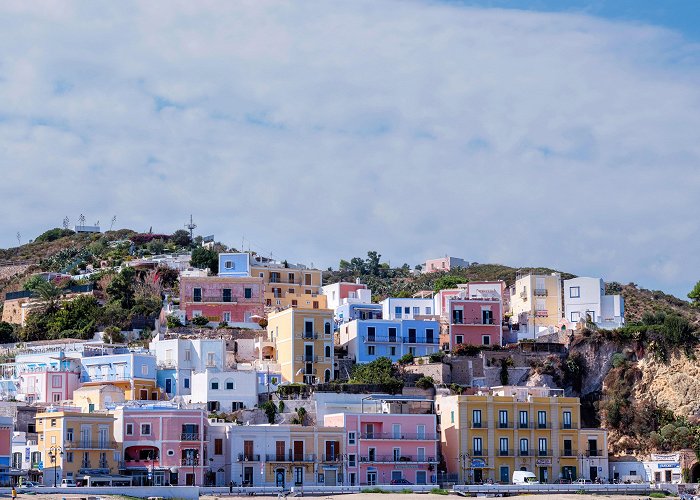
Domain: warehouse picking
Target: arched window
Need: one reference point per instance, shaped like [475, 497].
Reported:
[327, 376]
[328, 351]
[229, 385]
[214, 384]
[327, 328]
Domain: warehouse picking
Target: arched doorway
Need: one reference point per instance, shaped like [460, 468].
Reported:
[695, 473]
[279, 478]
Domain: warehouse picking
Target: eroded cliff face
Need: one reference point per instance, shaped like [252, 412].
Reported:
[675, 385]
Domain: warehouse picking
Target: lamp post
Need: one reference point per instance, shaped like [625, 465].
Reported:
[54, 453]
[464, 457]
[150, 480]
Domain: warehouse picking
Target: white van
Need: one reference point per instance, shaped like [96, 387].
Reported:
[524, 477]
[67, 483]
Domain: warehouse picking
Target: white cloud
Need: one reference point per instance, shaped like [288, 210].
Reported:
[320, 130]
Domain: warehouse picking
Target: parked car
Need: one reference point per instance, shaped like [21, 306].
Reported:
[562, 481]
[400, 481]
[524, 477]
[30, 484]
[582, 480]
[68, 483]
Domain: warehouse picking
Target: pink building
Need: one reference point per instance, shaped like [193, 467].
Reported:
[386, 448]
[222, 298]
[475, 321]
[443, 264]
[162, 444]
[45, 385]
[344, 292]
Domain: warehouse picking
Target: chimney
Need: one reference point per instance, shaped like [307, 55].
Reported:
[357, 281]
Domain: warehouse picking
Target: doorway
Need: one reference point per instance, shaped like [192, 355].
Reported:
[593, 471]
[247, 476]
[544, 475]
[331, 477]
[478, 476]
[279, 478]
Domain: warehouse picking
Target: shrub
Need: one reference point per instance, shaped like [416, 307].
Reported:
[270, 410]
[200, 321]
[425, 383]
[439, 491]
[618, 359]
[406, 359]
[437, 357]
[466, 350]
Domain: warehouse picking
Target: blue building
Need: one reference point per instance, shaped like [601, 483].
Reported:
[349, 312]
[234, 264]
[133, 372]
[367, 340]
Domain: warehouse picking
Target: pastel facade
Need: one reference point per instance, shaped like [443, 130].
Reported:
[475, 321]
[26, 461]
[344, 293]
[386, 447]
[225, 390]
[179, 358]
[90, 398]
[168, 440]
[6, 429]
[231, 299]
[75, 444]
[407, 308]
[536, 304]
[585, 298]
[367, 340]
[350, 312]
[234, 265]
[304, 340]
[443, 264]
[289, 285]
[38, 382]
[489, 435]
[132, 372]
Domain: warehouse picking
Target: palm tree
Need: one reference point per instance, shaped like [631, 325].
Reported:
[50, 295]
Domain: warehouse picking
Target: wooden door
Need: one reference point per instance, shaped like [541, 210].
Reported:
[298, 450]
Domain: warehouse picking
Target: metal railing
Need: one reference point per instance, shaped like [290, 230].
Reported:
[505, 425]
[479, 425]
[90, 445]
[248, 457]
[545, 453]
[524, 453]
[192, 436]
[505, 453]
[540, 292]
[420, 340]
[335, 457]
[290, 457]
[189, 461]
[567, 453]
[396, 459]
[593, 453]
[427, 436]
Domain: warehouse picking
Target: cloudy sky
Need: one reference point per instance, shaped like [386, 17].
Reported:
[527, 135]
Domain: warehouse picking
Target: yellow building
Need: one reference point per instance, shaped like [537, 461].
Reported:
[289, 285]
[77, 445]
[488, 435]
[536, 303]
[95, 397]
[304, 344]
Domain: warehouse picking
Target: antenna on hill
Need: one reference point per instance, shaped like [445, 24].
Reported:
[191, 227]
[19, 239]
[114, 219]
[66, 222]
[97, 224]
[81, 220]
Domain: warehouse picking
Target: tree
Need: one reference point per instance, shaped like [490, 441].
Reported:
[7, 333]
[380, 371]
[372, 262]
[121, 288]
[113, 335]
[357, 265]
[81, 315]
[173, 321]
[204, 258]
[694, 294]
[181, 238]
[32, 282]
[406, 359]
[447, 281]
[50, 294]
[200, 321]
[167, 276]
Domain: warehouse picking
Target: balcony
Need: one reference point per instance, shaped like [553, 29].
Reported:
[524, 453]
[567, 453]
[192, 436]
[248, 457]
[192, 462]
[426, 436]
[480, 425]
[523, 295]
[505, 425]
[397, 459]
[420, 340]
[545, 453]
[380, 338]
[90, 445]
[334, 458]
[476, 321]
[593, 453]
[308, 335]
[290, 457]
[477, 453]
[139, 464]
[505, 453]
[541, 314]
[214, 299]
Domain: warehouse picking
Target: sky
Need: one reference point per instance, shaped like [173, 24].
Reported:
[527, 133]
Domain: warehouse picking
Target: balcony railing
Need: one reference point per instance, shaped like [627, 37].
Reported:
[524, 453]
[380, 338]
[290, 457]
[541, 314]
[540, 292]
[545, 453]
[192, 436]
[505, 425]
[480, 425]
[567, 453]
[312, 335]
[534, 425]
[189, 461]
[505, 453]
[477, 453]
[248, 457]
[90, 445]
[397, 459]
[476, 321]
[426, 436]
[593, 453]
[420, 340]
[331, 458]
[215, 299]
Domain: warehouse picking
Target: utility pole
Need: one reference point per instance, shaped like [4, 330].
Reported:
[191, 227]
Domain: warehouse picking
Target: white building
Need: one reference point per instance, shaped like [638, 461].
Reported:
[406, 308]
[26, 456]
[585, 297]
[225, 390]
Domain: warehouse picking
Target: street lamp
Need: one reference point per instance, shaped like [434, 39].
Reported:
[464, 457]
[54, 453]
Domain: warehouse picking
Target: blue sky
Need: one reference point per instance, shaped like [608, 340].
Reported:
[318, 130]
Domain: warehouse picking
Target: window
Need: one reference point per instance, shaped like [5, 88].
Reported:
[407, 311]
[396, 454]
[542, 419]
[218, 446]
[476, 418]
[459, 339]
[69, 434]
[352, 462]
[226, 317]
[144, 369]
[351, 438]
[290, 277]
[370, 350]
[567, 420]
[524, 447]
[523, 419]
[575, 316]
[197, 295]
[392, 351]
[53, 422]
[129, 429]
[477, 443]
[486, 339]
[392, 334]
[214, 384]
[56, 397]
[327, 328]
[315, 304]
[69, 457]
[429, 335]
[575, 292]
[452, 417]
[56, 381]
[503, 419]
[188, 354]
[145, 429]
[228, 264]
[428, 311]
[542, 446]
[421, 477]
[229, 385]
[503, 446]
[397, 312]
[371, 331]
[186, 383]
[226, 295]
[416, 311]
